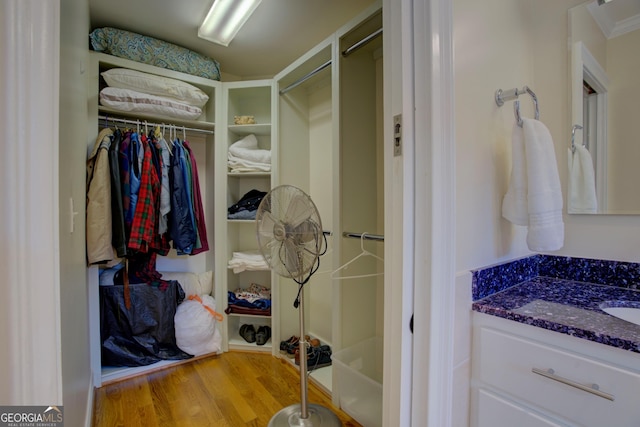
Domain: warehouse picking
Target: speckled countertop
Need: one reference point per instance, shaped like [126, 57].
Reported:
[567, 307]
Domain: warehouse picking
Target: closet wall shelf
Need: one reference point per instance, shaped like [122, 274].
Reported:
[249, 315]
[241, 221]
[249, 174]
[257, 129]
[133, 115]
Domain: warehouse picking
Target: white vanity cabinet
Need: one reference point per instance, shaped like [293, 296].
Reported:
[528, 376]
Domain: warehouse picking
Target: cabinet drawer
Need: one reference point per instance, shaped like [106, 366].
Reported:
[564, 384]
[496, 411]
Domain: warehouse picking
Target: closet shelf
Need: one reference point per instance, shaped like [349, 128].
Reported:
[249, 315]
[249, 174]
[198, 124]
[241, 221]
[257, 129]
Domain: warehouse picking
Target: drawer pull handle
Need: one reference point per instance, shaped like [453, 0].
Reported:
[590, 388]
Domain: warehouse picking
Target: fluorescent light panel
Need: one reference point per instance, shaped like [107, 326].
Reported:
[225, 18]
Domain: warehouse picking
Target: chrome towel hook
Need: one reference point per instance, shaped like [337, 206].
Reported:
[512, 94]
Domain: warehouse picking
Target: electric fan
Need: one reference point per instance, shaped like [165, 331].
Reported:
[290, 238]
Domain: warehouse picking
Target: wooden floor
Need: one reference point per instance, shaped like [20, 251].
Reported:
[232, 389]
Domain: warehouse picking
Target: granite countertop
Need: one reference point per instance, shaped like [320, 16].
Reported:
[567, 307]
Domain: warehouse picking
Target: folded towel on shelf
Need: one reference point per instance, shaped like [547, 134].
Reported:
[534, 196]
[247, 261]
[247, 149]
[238, 165]
[581, 196]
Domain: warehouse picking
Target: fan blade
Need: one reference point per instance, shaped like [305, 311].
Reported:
[293, 258]
[266, 225]
[270, 252]
[299, 210]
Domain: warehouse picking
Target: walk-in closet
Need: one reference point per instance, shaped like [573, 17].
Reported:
[316, 125]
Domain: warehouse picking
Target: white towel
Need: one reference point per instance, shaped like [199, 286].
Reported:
[247, 261]
[247, 149]
[581, 196]
[535, 187]
[514, 203]
[237, 164]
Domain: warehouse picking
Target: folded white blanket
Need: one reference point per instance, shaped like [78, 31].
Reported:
[581, 196]
[247, 261]
[237, 164]
[535, 187]
[247, 149]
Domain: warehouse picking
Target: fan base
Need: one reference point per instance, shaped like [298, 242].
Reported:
[317, 416]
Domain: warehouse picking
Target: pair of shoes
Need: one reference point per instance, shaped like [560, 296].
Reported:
[248, 332]
[317, 357]
[288, 346]
[320, 357]
[263, 335]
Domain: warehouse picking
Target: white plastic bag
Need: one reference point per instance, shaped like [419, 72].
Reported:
[195, 324]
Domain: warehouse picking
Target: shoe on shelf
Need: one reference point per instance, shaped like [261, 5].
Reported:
[317, 357]
[263, 335]
[291, 349]
[320, 357]
[248, 332]
[290, 343]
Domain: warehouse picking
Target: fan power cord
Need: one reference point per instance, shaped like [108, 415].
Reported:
[301, 283]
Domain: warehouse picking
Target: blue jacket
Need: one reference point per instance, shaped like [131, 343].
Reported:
[181, 227]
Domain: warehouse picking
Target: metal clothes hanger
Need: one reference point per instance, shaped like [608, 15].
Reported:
[363, 253]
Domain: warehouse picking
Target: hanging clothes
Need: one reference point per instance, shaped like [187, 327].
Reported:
[144, 235]
[119, 237]
[135, 166]
[203, 243]
[182, 229]
[143, 197]
[98, 220]
[165, 190]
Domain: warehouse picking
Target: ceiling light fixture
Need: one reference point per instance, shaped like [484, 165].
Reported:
[225, 18]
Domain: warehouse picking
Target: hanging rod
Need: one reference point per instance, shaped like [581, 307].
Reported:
[305, 78]
[512, 95]
[143, 122]
[348, 51]
[365, 236]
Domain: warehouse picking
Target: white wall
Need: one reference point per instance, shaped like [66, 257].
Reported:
[493, 50]
[76, 373]
[320, 176]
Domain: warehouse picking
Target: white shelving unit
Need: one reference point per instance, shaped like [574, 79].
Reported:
[253, 98]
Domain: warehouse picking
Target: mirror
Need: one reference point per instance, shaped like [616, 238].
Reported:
[604, 40]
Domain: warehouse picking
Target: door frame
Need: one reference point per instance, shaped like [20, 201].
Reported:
[420, 213]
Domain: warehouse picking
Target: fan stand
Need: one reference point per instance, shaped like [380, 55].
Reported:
[304, 414]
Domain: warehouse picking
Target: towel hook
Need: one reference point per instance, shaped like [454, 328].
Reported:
[573, 137]
[512, 94]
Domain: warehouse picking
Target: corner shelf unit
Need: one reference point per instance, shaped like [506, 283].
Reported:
[254, 98]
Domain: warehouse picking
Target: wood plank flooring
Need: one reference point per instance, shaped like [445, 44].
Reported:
[232, 389]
